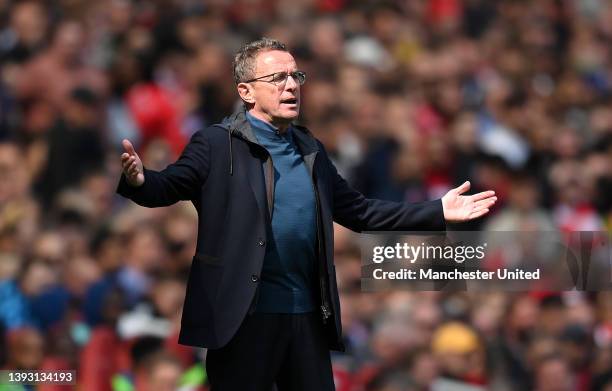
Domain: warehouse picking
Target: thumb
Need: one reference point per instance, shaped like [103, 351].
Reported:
[129, 148]
[463, 188]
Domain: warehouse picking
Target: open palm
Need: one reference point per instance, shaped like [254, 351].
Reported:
[132, 165]
[458, 208]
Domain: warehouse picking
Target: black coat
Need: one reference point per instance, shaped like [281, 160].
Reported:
[220, 172]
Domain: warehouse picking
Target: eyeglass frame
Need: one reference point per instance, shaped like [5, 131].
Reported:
[292, 74]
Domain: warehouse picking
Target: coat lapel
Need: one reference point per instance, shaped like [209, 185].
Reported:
[257, 184]
[308, 147]
[240, 127]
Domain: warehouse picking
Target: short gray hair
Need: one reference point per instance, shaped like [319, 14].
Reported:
[244, 60]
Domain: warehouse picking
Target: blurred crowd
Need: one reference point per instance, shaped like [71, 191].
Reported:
[410, 98]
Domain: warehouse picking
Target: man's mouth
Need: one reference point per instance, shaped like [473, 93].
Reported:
[291, 101]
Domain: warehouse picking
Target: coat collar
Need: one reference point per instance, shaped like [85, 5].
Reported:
[238, 125]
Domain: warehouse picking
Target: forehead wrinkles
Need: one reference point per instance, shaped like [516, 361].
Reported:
[274, 61]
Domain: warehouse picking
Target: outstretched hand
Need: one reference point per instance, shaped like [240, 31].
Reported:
[132, 165]
[458, 208]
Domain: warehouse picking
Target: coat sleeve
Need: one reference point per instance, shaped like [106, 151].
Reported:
[181, 180]
[358, 213]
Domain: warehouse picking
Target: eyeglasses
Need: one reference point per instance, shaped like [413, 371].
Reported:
[280, 78]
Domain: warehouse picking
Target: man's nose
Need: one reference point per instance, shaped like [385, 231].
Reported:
[291, 83]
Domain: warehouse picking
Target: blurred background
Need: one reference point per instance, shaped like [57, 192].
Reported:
[410, 98]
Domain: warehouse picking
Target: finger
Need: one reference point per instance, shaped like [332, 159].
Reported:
[463, 188]
[483, 195]
[129, 148]
[134, 167]
[130, 161]
[485, 203]
[479, 213]
[125, 156]
[478, 210]
[134, 172]
[127, 163]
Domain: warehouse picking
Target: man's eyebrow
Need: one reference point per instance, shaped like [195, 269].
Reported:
[270, 73]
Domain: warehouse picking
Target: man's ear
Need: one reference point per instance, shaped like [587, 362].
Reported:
[246, 92]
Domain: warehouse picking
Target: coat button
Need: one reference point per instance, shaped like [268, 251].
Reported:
[254, 278]
[261, 242]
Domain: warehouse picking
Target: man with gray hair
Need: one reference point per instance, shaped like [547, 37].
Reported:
[262, 294]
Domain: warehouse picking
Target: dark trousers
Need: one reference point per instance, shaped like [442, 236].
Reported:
[288, 350]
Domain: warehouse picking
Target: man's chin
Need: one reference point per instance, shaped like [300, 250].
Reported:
[289, 115]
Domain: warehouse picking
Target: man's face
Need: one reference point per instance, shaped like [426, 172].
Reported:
[277, 104]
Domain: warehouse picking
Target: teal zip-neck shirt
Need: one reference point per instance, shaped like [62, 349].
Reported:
[288, 277]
